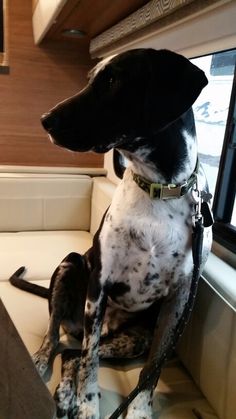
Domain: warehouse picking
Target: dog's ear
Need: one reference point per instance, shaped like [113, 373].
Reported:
[174, 85]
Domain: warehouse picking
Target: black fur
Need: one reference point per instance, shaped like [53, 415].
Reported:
[28, 286]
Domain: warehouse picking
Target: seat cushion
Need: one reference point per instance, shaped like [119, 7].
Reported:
[40, 252]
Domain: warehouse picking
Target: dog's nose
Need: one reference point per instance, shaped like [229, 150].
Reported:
[49, 121]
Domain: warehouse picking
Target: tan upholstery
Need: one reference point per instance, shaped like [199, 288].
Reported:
[35, 202]
[177, 397]
[40, 252]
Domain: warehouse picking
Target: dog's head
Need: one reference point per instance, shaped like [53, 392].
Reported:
[129, 96]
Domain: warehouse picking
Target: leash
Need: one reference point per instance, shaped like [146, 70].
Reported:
[199, 222]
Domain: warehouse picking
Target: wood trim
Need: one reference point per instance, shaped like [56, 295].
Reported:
[151, 18]
[6, 171]
[143, 17]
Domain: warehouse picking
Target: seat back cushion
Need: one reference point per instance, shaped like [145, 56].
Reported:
[44, 202]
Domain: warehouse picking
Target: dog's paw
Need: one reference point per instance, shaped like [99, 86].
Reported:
[138, 414]
[40, 360]
[141, 407]
[66, 399]
[87, 412]
[89, 408]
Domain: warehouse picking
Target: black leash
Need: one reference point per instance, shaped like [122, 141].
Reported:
[148, 380]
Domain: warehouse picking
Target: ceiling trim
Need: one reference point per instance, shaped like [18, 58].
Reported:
[155, 16]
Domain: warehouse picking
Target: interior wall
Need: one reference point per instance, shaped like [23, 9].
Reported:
[39, 78]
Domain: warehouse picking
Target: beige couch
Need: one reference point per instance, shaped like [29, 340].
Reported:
[42, 218]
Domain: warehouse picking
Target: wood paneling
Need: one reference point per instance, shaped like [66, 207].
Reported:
[39, 78]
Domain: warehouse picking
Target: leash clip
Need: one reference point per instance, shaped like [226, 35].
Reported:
[197, 199]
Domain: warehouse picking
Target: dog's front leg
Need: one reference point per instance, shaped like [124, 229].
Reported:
[42, 357]
[172, 317]
[88, 393]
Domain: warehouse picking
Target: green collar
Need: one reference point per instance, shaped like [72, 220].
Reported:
[166, 191]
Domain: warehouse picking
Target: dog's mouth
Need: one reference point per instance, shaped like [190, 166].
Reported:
[70, 146]
[62, 137]
[66, 144]
[76, 141]
[81, 147]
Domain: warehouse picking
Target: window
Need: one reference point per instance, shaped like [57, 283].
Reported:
[3, 35]
[1, 28]
[215, 116]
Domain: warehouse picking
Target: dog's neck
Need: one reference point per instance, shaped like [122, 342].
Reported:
[169, 156]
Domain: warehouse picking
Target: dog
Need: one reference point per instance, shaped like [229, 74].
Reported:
[140, 103]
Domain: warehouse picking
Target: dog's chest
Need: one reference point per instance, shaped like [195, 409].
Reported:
[145, 251]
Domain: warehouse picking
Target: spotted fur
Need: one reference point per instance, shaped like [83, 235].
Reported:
[138, 102]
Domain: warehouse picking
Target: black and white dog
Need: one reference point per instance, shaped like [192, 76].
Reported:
[137, 275]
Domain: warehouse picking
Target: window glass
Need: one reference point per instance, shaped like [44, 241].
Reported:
[211, 110]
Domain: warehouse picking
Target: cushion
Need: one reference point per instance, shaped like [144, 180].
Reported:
[39, 251]
[37, 202]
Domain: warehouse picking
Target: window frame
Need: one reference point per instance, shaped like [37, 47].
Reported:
[225, 192]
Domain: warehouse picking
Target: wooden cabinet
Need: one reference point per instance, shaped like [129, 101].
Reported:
[52, 17]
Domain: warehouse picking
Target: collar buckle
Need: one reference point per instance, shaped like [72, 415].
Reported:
[170, 191]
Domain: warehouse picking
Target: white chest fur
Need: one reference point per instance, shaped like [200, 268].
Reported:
[145, 245]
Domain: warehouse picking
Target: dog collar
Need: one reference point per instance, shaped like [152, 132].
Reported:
[166, 191]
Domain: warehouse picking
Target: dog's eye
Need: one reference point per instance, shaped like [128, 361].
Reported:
[114, 82]
[107, 81]
[111, 80]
